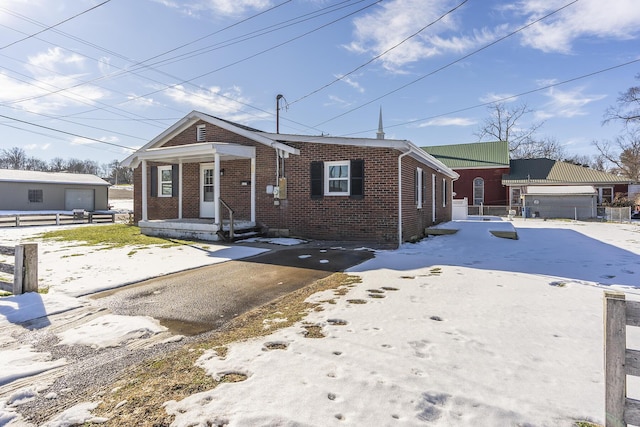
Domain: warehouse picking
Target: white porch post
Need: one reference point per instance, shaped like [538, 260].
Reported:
[144, 191]
[180, 190]
[216, 189]
[253, 189]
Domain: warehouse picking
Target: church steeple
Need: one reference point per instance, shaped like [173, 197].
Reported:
[380, 133]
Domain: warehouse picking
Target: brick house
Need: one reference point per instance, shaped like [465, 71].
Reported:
[481, 167]
[489, 178]
[202, 169]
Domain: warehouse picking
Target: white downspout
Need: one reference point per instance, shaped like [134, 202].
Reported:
[144, 191]
[180, 190]
[400, 195]
[253, 189]
[216, 190]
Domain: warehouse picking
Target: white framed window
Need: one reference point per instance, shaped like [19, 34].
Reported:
[444, 192]
[478, 191]
[165, 181]
[419, 195]
[201, 133]
[336, 178]
[605, 195]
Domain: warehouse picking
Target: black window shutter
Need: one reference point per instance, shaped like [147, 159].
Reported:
[154, 181]
[357, 179]
[415, 185]
[317, 180]
[175, 176]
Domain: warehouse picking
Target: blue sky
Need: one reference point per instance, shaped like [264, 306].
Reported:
[126, 70]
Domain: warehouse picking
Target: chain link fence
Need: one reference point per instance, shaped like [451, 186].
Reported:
[609, 214]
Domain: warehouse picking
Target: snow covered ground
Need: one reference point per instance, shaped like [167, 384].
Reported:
[465, 329]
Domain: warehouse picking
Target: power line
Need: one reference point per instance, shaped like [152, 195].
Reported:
[189, 82]
[449, 64]
[67, 133]
[507, 98]
[51, 26]
[380, 55]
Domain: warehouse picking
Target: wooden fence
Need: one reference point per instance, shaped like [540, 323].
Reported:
[619, 361]
[23, 219]
[24, 268]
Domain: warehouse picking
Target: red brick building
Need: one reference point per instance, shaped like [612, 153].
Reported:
[190, 178]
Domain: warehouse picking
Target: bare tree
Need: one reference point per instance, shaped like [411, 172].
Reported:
[35, 164]
[505, 124]
[624, 154]
[13, 158]
[627, 110]
[548, 148]
[57, 164]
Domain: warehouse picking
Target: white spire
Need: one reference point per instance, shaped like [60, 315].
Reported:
[380, 133]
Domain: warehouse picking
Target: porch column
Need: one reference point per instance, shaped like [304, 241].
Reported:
[180, 190]
[144, 191]
[216, 189]
[253, 189]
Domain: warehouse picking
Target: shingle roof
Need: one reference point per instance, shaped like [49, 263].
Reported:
[547, 171]
[476, 155]
[12, 175]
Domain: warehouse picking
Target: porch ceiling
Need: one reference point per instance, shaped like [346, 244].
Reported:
[196, 153]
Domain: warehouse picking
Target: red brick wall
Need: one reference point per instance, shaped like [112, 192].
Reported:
[494, 192]
[372, 218]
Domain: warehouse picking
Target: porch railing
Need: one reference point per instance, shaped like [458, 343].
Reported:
[224, 204]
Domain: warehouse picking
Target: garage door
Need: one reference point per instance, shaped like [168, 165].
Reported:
[78, 199]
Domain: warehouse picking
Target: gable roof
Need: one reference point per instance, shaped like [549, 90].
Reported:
[12, 175]
[196, 116]
[278, 140]
[402, 145]
[551, 172]
[477, 155]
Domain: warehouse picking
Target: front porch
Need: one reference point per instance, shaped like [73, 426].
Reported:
[195, 228]
[212, 154]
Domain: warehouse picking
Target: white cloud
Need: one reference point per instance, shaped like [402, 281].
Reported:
[53, 71]
[37, 97]
[85, 141]
[140, 101]
[449, 121]
[354, 84]
[213, 100]
[396, 20]
[218, 7]
[566, 103]
[336, 100]
[53, 60]
[617, 19]
[498, 97]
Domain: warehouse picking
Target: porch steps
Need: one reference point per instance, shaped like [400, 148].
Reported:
[239, 234]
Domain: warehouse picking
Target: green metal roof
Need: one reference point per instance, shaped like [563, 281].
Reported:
[472, 156]
[547, 171]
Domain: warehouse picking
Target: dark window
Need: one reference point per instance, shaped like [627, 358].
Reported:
[35, 196]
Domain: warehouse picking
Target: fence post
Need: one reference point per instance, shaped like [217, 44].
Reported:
[25, 276]
[30, 283]
[615, 344]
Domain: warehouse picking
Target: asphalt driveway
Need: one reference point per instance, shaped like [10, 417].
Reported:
[204, 299]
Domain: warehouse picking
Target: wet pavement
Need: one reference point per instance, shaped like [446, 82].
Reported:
[204, 299]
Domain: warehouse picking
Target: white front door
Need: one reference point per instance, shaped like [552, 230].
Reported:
[207, 199]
